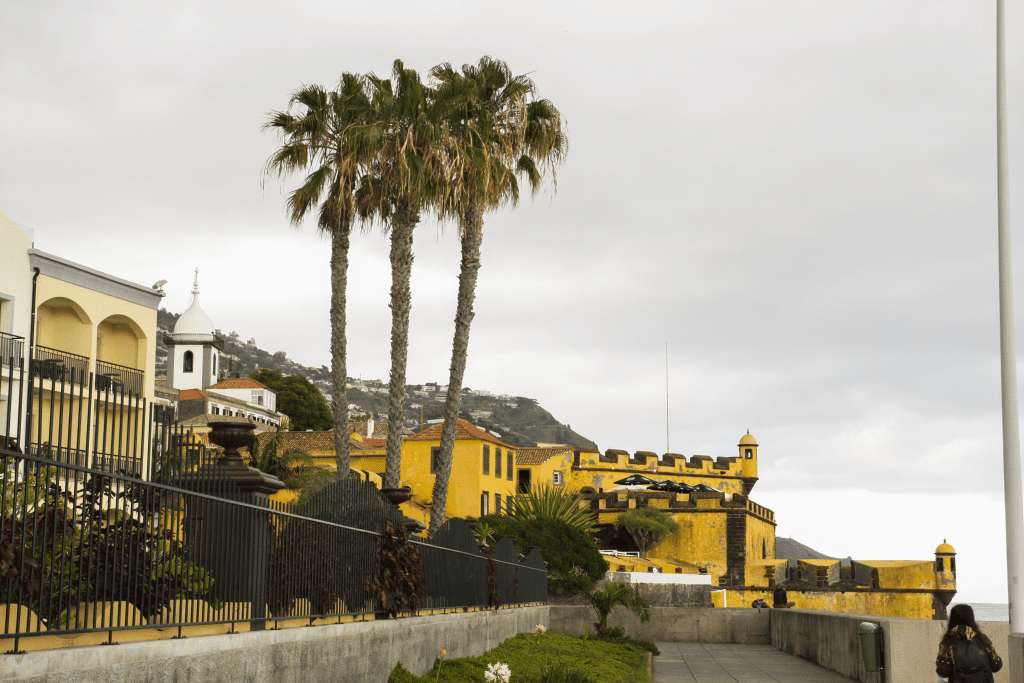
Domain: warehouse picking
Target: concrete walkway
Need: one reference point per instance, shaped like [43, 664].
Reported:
[729, 663]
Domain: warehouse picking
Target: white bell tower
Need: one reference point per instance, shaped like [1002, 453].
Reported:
[195, 349]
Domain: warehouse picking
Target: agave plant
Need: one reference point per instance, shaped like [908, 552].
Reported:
[546, 501]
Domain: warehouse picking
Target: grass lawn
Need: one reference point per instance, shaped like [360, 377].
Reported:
[533, 656]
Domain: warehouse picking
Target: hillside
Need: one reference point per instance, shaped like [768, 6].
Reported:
[516, 420]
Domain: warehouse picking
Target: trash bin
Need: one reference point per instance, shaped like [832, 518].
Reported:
[870, 645]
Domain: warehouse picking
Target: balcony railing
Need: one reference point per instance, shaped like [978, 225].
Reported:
[12, 350]
[60, 366]
[118, 378]
[62, 454]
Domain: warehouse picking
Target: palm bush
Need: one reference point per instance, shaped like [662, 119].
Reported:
[613, 595]
[552, 502]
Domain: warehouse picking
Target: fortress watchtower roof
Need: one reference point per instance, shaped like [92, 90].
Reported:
[945, 549]
[748, 440]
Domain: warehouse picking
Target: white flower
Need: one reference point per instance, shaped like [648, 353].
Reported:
[498, 673]
[540, 628]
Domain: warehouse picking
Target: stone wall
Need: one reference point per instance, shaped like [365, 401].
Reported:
[358, 651]
[910, 645]
[672, 624]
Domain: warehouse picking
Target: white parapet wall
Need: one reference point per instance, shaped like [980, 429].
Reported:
[658, 577]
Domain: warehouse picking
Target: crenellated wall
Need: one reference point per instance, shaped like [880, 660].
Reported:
[593, 472]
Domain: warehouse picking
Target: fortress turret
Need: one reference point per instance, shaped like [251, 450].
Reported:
[945, 578]
[748, 456]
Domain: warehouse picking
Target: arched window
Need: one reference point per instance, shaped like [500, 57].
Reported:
[764, 550]
[187, 362]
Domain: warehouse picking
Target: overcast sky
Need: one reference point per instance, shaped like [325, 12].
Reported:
[798, 198]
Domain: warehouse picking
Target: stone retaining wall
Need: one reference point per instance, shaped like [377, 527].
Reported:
[358, 651]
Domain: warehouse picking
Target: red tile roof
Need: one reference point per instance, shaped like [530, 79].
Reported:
[238, 383]
[465, 430]
[536, 456]
[191, 395]
[376, 443]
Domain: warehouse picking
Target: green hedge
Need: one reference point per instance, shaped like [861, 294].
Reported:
[573, 558]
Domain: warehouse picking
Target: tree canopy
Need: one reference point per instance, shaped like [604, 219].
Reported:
[648, 526]
[298, 399]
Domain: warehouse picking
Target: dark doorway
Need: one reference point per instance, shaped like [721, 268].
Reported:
[524, 481]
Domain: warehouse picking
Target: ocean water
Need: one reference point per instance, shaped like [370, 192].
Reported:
[988, 611]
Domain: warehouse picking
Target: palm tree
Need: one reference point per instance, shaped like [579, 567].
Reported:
[498, 130]
[330, 136]
[406, 177]
[611, 596]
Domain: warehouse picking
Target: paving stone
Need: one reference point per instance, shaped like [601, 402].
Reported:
[734, 663]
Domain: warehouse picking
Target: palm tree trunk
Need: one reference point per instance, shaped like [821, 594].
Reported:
[472, 238]
[339, 367]
[401, 305]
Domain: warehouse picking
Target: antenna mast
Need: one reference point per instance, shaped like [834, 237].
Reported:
[667, 448]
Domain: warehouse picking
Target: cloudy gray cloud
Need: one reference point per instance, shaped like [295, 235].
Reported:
[797, 197]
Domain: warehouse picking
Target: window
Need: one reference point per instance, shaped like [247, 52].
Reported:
[508, 465]
[939, 565]
[497, 466]
[485, 498]
[557, 478]
[749, 453]
[487, 460]
[497, 503]
[214, 365]
[435, 455]
[187, 361]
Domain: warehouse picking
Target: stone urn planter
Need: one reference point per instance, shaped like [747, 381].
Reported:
[397, 496]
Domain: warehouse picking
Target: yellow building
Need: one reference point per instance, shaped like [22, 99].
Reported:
[482, 478]
[88, 360]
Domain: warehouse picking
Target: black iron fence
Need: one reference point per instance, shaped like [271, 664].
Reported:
[87, 550]
[113, 518]
[12, 350]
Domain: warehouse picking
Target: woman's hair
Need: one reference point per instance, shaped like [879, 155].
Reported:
[962, 615]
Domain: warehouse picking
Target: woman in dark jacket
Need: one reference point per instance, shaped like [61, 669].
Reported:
[962, 627]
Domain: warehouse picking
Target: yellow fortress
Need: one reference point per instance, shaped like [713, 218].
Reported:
[726, 539]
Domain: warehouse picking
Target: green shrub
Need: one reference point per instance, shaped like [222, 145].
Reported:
[574, 561]
[620, 639]
[563, 674]
[400, 675]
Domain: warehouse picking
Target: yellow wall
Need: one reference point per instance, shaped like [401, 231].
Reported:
[467, 481]
[906, 605]
[63, 326]
[543, 474]
[71, 318]
[724, 474]
[118, 343]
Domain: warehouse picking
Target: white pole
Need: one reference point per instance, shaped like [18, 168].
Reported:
[1008, 360]
[668, 448]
